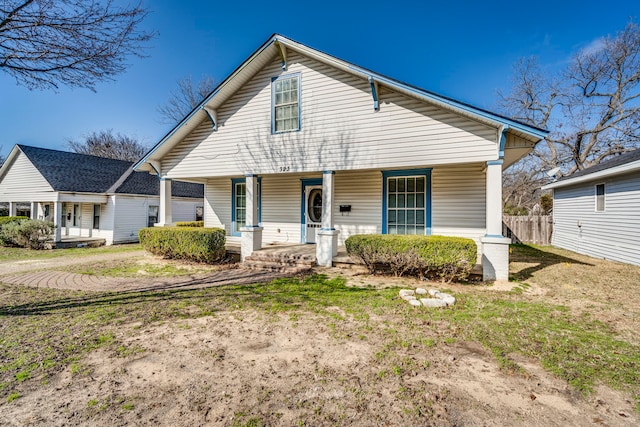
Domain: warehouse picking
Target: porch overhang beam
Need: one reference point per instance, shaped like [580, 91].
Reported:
[213, 116]
[374, 93]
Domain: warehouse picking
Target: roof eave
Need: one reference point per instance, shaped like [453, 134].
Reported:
[618, 170]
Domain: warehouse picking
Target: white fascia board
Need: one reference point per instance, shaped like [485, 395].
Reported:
[618, 170]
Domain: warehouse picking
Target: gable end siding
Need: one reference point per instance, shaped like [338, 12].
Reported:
[22, 180]
[339, 130]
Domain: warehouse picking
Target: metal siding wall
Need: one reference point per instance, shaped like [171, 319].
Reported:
[613, 234]
[340, 130]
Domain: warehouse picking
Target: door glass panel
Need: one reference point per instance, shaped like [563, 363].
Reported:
[314, 205]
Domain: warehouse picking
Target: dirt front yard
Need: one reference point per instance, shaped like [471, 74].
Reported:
[338, 349]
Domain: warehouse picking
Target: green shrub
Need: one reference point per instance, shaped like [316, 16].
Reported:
[190, 224]
[446, 257]
[188, 243]
[27, 233]
[7, 219]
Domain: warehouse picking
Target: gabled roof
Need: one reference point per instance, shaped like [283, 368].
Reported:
[278, 45]
[624, 163]
[82, 173]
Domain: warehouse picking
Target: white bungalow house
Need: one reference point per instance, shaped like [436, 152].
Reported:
[596, 211]
[88, 196]
[297, 146]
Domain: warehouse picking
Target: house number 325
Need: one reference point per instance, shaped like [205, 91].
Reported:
[285, 168]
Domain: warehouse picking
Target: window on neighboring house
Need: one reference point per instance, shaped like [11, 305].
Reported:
[76, 215]
[47, 212]
[239, 204]
[600, 190]
[407, 202]
[286, 103]
[199, 213]
[96, 217]
[153, 216]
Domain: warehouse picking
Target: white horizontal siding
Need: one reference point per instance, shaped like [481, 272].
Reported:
[363, 191]
[23, 180]
[613, 234]
[340, 130]
[106, 221]
[459, 202]
[131, 214]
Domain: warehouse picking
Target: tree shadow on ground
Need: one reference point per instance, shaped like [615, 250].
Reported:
[540, 257]
[218, 292]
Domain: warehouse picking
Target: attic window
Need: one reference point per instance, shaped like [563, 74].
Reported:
[286, 103]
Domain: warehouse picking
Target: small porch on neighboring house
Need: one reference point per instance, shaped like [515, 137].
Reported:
[67, 242]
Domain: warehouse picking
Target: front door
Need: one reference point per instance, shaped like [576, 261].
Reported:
[313, 214]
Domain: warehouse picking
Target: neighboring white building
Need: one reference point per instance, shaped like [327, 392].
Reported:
[89, 196]
[596, 211]
[297, 146]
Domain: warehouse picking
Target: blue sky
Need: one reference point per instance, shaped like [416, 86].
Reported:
[464, 50]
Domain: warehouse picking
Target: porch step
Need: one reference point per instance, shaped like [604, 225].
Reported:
[283, 263]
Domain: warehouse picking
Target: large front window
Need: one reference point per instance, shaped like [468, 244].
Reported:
[407, 202]
[286, 103]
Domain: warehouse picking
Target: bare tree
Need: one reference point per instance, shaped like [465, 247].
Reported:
[47, 43]
[592, 108]
[107, 144]
[185, 98]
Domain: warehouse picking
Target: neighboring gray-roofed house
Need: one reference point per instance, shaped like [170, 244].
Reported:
[596, 211]
[90, 196]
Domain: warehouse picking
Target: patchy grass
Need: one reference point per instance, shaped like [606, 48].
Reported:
[138, 268]
[13, 254]
[44, 331]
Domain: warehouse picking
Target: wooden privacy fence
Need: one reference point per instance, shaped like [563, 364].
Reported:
[534, 229]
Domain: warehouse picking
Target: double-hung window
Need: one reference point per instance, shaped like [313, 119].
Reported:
[96, 217]
[407, 204]
[239, 204]
[76, 215]
[152, 216]
[285, 92]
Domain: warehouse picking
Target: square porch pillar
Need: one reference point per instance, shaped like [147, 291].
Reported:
[251, 239]
[495, 247]
[164, 210]
[327, 236]
[34, 210]
[57, 219]
[12, 208]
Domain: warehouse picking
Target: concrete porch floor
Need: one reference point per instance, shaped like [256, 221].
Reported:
[77, 241]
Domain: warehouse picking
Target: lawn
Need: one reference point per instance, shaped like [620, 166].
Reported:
[556, 317]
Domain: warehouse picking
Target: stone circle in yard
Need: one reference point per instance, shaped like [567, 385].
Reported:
[439, 299]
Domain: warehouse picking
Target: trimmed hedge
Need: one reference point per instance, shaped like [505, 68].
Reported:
[190, 224]
[448, 258]
[188, 243]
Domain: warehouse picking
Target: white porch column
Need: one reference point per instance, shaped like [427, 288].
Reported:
[327, 236]
[251, 239]
[495, 247]
[34, 210]
[12, 208]
[165, 219]
[57, 219]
